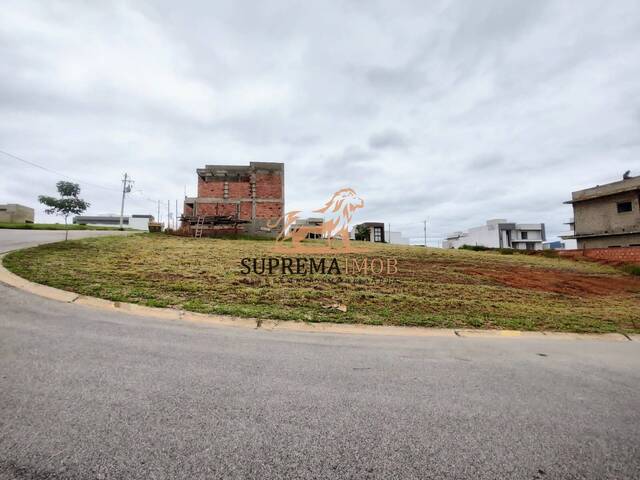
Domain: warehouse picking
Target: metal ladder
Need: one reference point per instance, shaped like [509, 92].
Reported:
[199, 227]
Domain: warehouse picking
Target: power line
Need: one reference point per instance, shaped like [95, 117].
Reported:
[143, 197]
[33, 164]
[409, 223]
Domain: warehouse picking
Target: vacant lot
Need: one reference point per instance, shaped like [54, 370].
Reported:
[433, 287]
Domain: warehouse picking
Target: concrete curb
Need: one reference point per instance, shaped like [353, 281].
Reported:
[51, 293]
[613, 337]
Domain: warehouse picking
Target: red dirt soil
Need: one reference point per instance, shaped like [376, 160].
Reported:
[567, 283]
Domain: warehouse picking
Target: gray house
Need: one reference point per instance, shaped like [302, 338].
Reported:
[607, 215]
[376, 231]
[15, 213]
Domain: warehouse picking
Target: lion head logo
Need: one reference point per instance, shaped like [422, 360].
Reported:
[334, 223]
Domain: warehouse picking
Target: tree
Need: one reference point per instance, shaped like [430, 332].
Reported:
[362, 233]
[67, 204]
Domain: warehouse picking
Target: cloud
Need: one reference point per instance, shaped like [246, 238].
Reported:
[445, 110]
[486, 162]
[388, 139]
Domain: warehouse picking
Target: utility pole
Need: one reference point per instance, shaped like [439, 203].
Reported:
[158, 219]
[176, 221]
[168, 214]
[389, 239]
[425, 233]
[126, 188]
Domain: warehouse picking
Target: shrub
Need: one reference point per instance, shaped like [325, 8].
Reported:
[475, 248]
[632, 269]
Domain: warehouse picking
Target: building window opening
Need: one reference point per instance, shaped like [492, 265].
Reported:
[524, 235]
[624, 207]
[377, 234]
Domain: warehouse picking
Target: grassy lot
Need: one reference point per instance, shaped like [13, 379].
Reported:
[433, 287]
[54, 226]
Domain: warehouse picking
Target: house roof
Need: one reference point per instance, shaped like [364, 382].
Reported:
[599, 191]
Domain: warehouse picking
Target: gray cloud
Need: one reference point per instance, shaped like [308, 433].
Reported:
[485, 162]
[449, 110]
[388, 139]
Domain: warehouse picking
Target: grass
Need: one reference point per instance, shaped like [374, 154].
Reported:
[632, 269]
[433, 287]
[54, 226]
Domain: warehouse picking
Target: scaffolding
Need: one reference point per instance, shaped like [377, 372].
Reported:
[210, 225]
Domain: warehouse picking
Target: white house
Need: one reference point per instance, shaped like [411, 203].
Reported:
[499, 233]
[136, 222]
[397, 238]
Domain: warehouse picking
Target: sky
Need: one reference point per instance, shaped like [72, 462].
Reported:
[450, 111]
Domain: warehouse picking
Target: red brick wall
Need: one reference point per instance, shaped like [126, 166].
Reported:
[217, 209]
[210, 189]
[268, 186]
[245, 210]
[269, 210]
[216, 189]
[239, 190]
[263, 210]
[623, 254]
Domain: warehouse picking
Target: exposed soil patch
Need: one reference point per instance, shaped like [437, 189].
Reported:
[563, 282]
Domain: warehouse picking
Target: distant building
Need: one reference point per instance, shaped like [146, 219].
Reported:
[309, 222]
[237, 198]
[375, 229]
[607, 215]
[15, 213]
[397, 238]
[567, 236]
[136, 222]
[557, 245]
[499, 233]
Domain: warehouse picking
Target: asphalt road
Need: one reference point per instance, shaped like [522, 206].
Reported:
[13, 239]
[98, 394]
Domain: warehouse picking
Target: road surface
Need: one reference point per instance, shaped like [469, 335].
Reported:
[100, 394]
[11, 239]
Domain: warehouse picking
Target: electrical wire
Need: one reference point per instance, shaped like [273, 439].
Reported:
[33, 164]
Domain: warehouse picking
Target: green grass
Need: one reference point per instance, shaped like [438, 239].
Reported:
[54, 226]
[433, 287]
[632, 269]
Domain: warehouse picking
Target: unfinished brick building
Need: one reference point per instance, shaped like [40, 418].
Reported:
[236, 199]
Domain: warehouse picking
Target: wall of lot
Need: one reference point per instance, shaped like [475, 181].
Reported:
[623, 254]
[628, 240]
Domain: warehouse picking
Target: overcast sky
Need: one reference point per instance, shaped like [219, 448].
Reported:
[453, 111]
